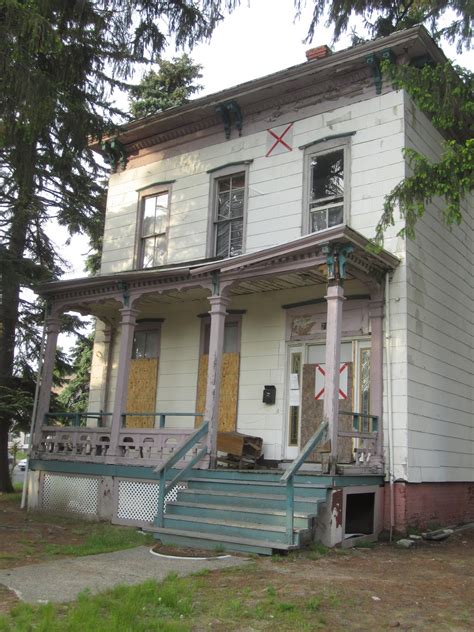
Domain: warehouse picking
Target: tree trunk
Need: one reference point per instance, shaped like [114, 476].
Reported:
[10, 279]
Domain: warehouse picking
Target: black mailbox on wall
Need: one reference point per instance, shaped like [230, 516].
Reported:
[269, 394]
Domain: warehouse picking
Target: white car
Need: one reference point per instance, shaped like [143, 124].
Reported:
[22, 464]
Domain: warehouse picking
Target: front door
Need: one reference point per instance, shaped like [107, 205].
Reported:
[306, 392]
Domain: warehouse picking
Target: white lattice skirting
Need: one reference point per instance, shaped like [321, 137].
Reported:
[70, 494]
[138, 501]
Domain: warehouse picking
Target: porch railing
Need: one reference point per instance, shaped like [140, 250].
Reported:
[364, 429]
[172, 460]
[288, 477]
[68, 436]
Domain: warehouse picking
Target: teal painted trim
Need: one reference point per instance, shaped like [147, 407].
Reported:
[187, 445]
[230, 164]
[185, 471]
[326, 138]
[97, 469]
[155, 184]
[308, 448]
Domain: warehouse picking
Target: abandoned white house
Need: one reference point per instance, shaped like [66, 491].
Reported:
[236, 283]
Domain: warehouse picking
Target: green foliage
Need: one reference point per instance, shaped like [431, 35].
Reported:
[445, 93]
[171, 86]
[102, 538]
[383, 18]
[74, 396]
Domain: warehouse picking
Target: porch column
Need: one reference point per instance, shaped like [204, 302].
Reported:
[216, 348]
[52, 324]
[127, 329]
[335, 298]
[376, 314]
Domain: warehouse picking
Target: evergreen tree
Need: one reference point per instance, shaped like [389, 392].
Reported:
[59, 64]
[170, 87]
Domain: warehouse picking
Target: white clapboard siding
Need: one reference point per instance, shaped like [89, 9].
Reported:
[440, 334]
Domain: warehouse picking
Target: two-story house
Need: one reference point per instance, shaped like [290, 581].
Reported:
[237, 295]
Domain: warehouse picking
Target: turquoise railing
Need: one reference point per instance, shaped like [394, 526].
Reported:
[161, 417]
[77, 420]
[362, 422]
[288, 477]
[177, 455]
[80, 419]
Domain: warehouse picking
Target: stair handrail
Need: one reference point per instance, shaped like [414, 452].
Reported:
[177, 455]
[288, 477]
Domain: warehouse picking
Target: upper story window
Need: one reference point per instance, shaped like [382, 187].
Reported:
[229, 215]
[326, 205]
[154, 228]
[327, 184]
[228, 209]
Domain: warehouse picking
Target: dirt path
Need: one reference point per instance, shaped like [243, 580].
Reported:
[428, 587]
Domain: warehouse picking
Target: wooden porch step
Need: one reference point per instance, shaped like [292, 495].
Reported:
[244, 514]
[250, 499]
[270, 487]
[233, 528]
[196, 539]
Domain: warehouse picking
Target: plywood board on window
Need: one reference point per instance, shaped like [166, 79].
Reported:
[312, 413]
[142, 385]
[229, 390]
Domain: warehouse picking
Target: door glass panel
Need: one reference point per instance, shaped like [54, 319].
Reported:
[294, 399]
[364, 386]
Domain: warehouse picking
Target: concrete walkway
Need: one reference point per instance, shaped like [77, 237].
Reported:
[63, 580]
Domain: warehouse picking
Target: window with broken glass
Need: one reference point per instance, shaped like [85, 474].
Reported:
[154, 227]
[229, 215]
[326, 199]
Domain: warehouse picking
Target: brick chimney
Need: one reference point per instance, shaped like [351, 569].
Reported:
[318, 53]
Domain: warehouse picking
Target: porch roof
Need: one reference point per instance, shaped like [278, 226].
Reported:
[297, 263]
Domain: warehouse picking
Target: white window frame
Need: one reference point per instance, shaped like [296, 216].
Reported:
[320, 148]
[218, 174]
[144, 194]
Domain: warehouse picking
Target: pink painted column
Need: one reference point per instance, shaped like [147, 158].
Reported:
[216, 348]
[335, 298]
[376, 314]
[52, 325]
[127, 329]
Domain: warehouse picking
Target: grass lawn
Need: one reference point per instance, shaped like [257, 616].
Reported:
[428, 587]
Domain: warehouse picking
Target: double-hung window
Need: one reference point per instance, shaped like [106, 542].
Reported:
[326, 183]
[326, 195]
[154, 229]
[229, 214]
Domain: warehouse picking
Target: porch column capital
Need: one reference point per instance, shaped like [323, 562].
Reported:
[52, 325]
[219, 304]
[128, 315]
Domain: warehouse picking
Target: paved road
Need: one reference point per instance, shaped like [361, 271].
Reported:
[63, 580]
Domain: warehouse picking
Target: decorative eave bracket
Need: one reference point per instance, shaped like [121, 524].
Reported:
[373, 60]
[115, 154]
[230, 112]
